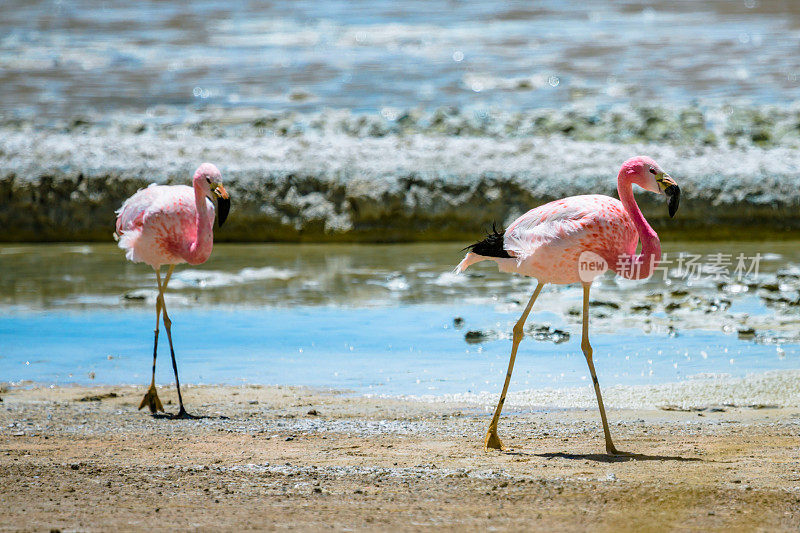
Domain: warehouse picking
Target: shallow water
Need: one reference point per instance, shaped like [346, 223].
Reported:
[381, 319]
[61, 57]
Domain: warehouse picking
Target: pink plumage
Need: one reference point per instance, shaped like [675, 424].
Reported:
[574, 240]
[168, 225]
[547, 242]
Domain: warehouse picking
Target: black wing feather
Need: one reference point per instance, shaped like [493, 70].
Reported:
[491, 246]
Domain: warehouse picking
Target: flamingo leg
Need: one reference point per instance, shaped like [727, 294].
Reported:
[492, 440]
[587, 351]
[168, 326]
[151, 399]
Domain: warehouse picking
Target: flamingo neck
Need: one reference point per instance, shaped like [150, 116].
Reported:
[200, 247]
[639, 266]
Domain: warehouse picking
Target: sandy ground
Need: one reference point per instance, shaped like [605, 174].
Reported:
[85, 459]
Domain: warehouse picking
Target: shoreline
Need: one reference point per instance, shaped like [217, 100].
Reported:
[771, 389]
[282, 457]
[297, 178]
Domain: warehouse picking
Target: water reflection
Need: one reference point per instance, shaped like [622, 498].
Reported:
[390, 319]
[96, 276]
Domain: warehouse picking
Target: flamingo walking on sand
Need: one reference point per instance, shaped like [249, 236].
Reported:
[166, 225]
[575, 239]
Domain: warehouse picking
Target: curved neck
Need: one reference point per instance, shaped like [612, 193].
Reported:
[200, 246]
[642, 265]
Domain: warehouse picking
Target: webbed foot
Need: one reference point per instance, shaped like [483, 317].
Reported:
[183, 415]
[492, 441]
[151, 400]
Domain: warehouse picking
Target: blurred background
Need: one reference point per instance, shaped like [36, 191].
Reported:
[63, 57]
[379, 121]
[384, 122]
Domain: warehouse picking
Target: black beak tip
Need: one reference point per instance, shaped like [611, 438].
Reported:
[223, 208]
[674, 195]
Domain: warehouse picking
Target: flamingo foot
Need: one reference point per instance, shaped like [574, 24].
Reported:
[492, 441]
[611, 450]
[151, 400]
[183, 415]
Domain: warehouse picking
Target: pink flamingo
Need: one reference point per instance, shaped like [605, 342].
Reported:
[575, 239]
[167, 225]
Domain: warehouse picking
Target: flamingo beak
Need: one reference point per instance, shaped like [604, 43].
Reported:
[223, 204]
[673, 192]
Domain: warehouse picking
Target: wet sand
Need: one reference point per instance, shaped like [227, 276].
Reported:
[279, 458]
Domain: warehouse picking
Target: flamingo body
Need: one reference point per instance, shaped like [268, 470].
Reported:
[158, 225]
[546, 242]
[552, 243]
[168, 225]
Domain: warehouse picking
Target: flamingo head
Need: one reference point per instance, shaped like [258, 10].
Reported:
[209, 180]
[646, 173]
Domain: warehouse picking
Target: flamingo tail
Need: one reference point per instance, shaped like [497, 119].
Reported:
[491, 247]
[469, 259]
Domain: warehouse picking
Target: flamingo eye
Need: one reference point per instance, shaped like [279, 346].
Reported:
[652, 171]
[208, 180]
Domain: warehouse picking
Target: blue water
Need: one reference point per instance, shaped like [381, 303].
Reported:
[385, 350]
[372, 319]
[61, 57]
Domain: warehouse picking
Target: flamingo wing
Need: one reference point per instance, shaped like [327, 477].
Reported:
[131, 215]
[175, 201]
[546, 242]
[551, 223]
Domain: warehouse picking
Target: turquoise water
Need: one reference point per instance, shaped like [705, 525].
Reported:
[319, 316]
[387, 350]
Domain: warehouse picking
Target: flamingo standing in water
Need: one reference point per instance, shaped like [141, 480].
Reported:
[167, 225]
[575, 239]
